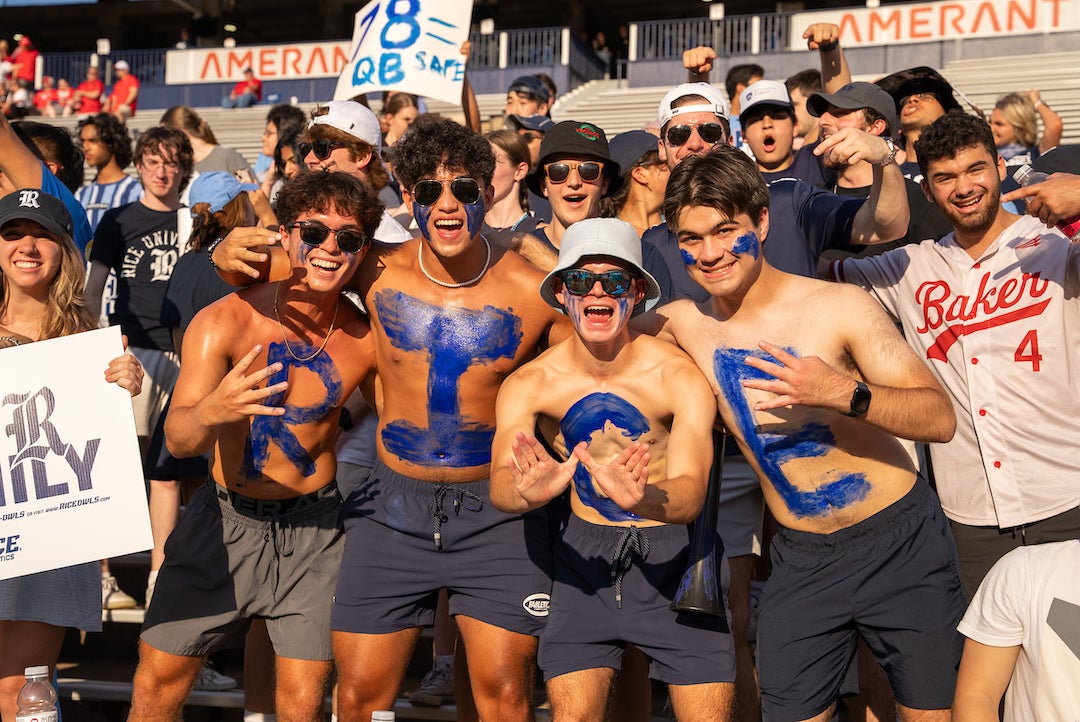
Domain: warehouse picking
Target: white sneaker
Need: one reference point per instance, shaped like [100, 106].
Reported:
[213, 680]
[113, 597]
[436, 689]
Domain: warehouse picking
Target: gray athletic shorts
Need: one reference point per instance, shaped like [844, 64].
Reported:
[224, 567]
[739, 513]
[588, 628]
[496, 567]
[891, 579]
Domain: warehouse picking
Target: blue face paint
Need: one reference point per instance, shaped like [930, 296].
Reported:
[588, 416]
[422, 214]
[275, 429]
[688, 259]
[747, 243]
[454, 339]
[774, 450]
[475, 214]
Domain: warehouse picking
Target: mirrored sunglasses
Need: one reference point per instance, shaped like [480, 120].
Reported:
[314, 234]
[580, 282]
[428, 192]
[709, 132]
[321, 148]
[589, 171]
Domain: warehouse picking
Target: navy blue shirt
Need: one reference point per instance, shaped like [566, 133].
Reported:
[806, 167]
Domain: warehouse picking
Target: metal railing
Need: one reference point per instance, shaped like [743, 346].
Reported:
[736, 35]
[146, 65]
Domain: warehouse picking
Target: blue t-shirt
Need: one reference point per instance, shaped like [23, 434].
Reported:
[81, 227]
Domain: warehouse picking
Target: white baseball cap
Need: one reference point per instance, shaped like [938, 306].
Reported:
[767, 92]
[121, 65]
[352, 118]
[715, 103]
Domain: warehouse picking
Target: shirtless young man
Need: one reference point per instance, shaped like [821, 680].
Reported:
[613, 403]
[453, 314]
[265, 373]
[815, 383]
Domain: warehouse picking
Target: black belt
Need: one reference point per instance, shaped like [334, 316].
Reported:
[270, 508]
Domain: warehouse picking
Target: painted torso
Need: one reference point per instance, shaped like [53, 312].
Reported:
[284, 456]
[820, 471]
[442, 355]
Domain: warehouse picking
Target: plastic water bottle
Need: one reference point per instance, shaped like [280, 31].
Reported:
[37, 698]
[1026, 176]
[383, 716]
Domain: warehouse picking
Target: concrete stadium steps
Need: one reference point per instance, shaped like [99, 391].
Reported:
[984, 80]
[611, 105]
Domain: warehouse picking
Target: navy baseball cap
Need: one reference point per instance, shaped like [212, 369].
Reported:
[539, 123]
[529, 85]
[36, 205]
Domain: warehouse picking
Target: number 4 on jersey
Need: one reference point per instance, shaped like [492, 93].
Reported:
[1028, 350]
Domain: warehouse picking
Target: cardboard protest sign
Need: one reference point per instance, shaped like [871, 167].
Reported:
[71, 482]
[408, 45]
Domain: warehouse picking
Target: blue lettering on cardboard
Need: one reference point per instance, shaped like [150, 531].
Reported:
[454, 339]
[266, 430]
[588, 416]
[772, 451]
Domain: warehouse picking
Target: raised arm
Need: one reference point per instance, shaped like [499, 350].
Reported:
[1052, 125]
[825, 38]
[907, 401]
[17, 162]
[885, 214]
[698, 63]
[250, 255]
[211, 392]
[468, 97]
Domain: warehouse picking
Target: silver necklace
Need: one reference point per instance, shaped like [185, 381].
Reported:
[303, 359]
[444, 284]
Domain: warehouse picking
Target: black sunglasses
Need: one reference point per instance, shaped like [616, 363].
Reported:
[314, 234]
[589, 171]
[580, 282]
[321, 148]
[709, 132]
[428, 192]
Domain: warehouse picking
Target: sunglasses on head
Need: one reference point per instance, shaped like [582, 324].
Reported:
[709, 132]
[588, 171]
[580, 282]
[321, 148]
[314, 234]
[428, 192]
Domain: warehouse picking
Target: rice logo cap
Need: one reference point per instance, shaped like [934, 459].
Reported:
[607, 237]
[352, 118]
[218, 188]
[573, 139]
[36, 205]
[764, 92]
[715, 102]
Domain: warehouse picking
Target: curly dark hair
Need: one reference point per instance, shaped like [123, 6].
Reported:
[320, 192]
[725, 179]
[113, 135]
[950, 134]
[433, 142]
[54, 145]
[152, 140]
[285, 117]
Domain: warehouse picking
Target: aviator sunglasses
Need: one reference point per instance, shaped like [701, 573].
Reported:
[321, 148]
[428, 192]
[709, 132]
[313, 234]
[588, 171]
[580, 282]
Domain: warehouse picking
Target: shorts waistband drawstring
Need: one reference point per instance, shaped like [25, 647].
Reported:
[632, 541]
[459, 496]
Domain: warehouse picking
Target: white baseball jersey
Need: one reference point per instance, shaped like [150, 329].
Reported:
[1002, 333]
[1031, 599]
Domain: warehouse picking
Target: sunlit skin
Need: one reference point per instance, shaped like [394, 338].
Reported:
[533, 139]
[340, 159]
[30, 256]
[601, 319]
[572, 200]
[967, 189]
[506, 174]
[288, 159]
[835, 119]
[326, 266]
[524, 105]
[1004, 131]
[398, 123]
[806, 125]
[920, 109]
[95, 152]
[710, 239]
[672, 154]
[159, 173]
[769, 131]
[449, 243]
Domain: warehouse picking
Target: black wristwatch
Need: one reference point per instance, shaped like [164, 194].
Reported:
[860, 400]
